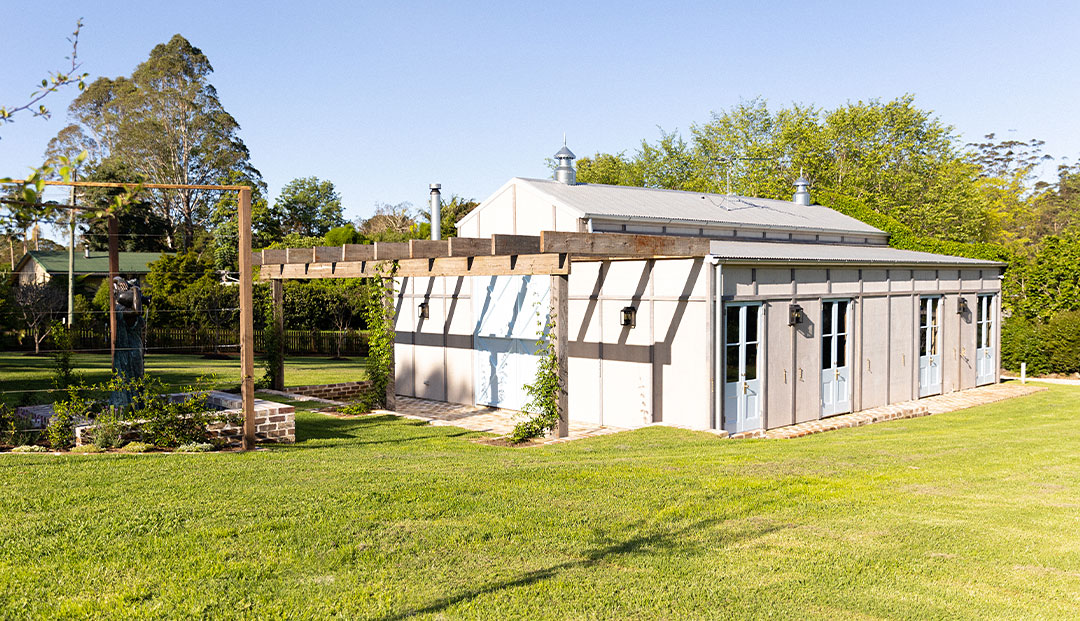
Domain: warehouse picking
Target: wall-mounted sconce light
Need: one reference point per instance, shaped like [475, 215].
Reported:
[423, 310]
[628, 317]
[795, 315]
[962, 307]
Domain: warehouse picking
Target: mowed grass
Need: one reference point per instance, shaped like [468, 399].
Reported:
[20, 372]
[973, 514]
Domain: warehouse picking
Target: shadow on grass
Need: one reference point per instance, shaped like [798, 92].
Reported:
[322, 431]
[643, 544]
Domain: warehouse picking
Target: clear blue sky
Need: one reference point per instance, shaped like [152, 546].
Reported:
[384, 98]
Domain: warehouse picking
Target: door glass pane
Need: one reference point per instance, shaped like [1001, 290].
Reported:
[922, 312]
[980, 328]
[841, 350]
[922, 341]
[826, 352]
[751, 362]
[733, 324]
[933, 340]
[826, 318]
[751, 324]
[841, 317]
[731, 373]
[981, 317]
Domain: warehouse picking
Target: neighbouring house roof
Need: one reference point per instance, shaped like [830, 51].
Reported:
[56, 262]
[635, 204]
[769, 252]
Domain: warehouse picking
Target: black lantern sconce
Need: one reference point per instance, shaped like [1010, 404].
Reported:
[962, 307]
[424, 314]
[795, 315]
[628, 317]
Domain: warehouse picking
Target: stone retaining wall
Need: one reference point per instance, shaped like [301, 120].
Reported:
[344, 391]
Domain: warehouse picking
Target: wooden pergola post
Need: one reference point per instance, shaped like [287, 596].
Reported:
[247, 319]
[277, 292]
[391, 382]
[114, 271]
[560, 310]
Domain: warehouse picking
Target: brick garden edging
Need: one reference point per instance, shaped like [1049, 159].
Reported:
[274, 422]
[345, 391]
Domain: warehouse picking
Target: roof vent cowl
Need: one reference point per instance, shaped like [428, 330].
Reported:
[802, 192]
[564, 172]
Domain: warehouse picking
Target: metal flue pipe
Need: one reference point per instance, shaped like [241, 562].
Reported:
[436, 211]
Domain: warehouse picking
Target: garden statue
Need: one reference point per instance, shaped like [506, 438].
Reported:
[129, 335]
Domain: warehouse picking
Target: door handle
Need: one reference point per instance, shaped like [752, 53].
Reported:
[837, 373]
[744, 387]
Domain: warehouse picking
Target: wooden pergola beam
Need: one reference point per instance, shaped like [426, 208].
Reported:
[506, 265]
[623, 245]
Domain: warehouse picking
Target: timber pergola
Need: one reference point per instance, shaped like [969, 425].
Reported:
[549, 253]
[247, 314]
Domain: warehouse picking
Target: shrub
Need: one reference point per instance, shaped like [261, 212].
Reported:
[363, 406]
[1061, 339]
[108, 429]
[66, 414]
[136, 447]
[86, 449]
[195, 447]
[13, 431]
[30, 448]
[1021, 342]
[63, 374]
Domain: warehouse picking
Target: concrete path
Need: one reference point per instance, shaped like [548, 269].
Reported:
[908, 409]
[1048, 380]
[481, 418]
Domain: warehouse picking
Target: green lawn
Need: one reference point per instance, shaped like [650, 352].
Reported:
[973, 514]
[19, 372]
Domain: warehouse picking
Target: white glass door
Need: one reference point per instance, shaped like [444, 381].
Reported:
[742, 383]
[929, 346]
[835, 373]
[984, 341]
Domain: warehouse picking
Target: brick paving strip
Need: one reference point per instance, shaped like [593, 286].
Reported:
[908, 409]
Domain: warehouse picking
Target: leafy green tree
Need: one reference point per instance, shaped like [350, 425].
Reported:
[451, 211]
[167, 124]
[166, 285]
[341, 235]
[309, 207]
[141, 228]
[898, 159]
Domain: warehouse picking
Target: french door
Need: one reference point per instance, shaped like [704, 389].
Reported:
[742, 377]
[929, 346]
[835, 373]
[984, 341]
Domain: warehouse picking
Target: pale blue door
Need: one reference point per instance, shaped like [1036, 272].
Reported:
[985, 373]
[929, 346]
[742, 378]
[835, 373]
[509, 312]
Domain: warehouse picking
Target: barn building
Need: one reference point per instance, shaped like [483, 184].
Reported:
[796, 313]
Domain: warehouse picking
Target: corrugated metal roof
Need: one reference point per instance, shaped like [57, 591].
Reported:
[634, 204]
[56, 261]
[735, 251]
